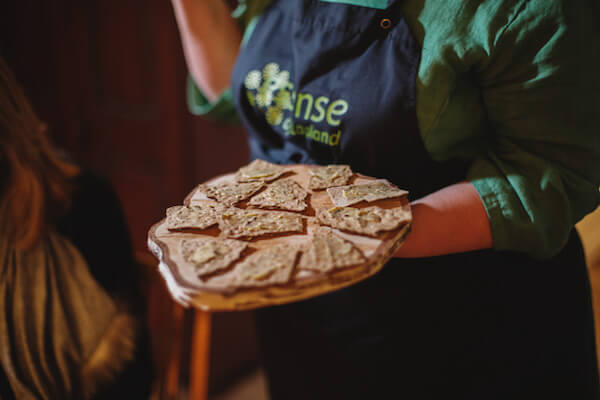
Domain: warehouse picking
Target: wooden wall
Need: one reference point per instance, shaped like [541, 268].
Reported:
[108, 77]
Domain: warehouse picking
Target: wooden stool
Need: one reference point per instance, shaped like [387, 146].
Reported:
[200, 355]
[166, 321]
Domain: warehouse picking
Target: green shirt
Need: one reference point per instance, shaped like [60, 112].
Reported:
[514, 86]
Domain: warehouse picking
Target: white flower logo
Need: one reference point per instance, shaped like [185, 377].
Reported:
[270, 90]
[270, 70]
[253, 80]
[264, 97]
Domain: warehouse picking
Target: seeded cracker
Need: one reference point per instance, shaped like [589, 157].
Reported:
[231, 193]
[285, 194]
[237, 223]
[327, 251]
[272, 266]
[379, 189]
[329, 176]
[368, 221]
[210, 255]
[193, 217]
[259, 170]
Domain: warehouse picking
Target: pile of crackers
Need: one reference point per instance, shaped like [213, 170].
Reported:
[265, 201]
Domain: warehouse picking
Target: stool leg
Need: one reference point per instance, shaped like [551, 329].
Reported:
[200, 357]
[174, 361]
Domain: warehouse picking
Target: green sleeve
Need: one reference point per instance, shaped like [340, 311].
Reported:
[223, 108]
[540, 172]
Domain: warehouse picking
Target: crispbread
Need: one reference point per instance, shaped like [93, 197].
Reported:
[272, 266]
[192, 217]
[378, 189]
[227, 289]
[327, 251]
[229, 194]
[285, 194]
[210, 255]
[259, 170]
[237, 223]
[329, 176]
[368, 221]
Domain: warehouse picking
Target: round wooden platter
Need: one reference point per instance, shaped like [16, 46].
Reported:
[215, 294]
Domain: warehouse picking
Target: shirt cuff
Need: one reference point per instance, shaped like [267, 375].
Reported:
[497, 208]
[222, 109]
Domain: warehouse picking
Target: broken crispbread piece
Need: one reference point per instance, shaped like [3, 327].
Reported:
[229, 194]
[285, 194]
[329, 176]
[368, 221]
[237, 223]
[259, 170]
[325, 261]
[272, 266]
[378, 189]
[192, 217]
[327, 251]
[210, 255]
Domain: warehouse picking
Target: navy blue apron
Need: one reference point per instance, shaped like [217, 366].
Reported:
[320, 83]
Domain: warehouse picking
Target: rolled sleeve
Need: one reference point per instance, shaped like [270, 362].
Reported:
[222, 109]
[541, 171]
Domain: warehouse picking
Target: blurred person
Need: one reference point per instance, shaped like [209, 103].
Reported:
[71, 325]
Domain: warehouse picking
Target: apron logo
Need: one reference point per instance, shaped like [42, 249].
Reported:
[272, 91]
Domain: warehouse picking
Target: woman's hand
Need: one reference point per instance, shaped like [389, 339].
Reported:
[211, 41]
[451, 220]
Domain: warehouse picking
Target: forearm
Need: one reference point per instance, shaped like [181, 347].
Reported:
[210, 39]
[451, 220]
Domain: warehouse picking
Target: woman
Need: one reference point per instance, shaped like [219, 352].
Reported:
[485, 112]
[70, 326]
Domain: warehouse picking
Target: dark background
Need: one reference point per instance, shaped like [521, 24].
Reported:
[108, 77]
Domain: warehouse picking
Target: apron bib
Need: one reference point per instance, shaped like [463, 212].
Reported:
[321, 83]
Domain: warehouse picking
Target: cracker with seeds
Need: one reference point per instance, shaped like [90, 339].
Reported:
[193, 217]
[266, 251]
[285, 194]
[329, 176]
[237, 223]
[272, 266]
[211, 255]
[327, 251]
[229, 194]
[378, 189]
[367, 221]
[259, 170]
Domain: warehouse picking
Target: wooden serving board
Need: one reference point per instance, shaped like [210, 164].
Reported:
[216, 295]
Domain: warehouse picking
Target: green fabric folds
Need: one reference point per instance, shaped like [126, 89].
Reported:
[221, 109]
[513, 86]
